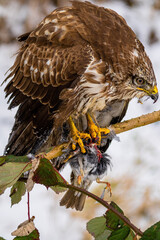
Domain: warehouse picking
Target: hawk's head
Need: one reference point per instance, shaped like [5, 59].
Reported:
[138, 75]
[143, 79]
[144, 84]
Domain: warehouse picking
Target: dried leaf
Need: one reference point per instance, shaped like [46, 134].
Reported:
[56, 151]
[30, 182]
[25, 228]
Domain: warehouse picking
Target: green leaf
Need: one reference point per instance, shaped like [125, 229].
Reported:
[120, 234]
[131, 236]
[112, 220]
[47, 175]
[12, 158]
[32, 236]
[10, 173]
[152, 233]
[17, 191]
[2, 238]
[104, 235]
[2, 160]
[58, 189]
[96, 226]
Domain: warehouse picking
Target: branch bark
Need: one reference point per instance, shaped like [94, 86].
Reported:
[117, 128]
[136, 122]
[107, 205]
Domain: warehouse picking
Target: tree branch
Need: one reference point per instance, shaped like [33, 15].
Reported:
[136, 122]
[117, 128]
[105, 204]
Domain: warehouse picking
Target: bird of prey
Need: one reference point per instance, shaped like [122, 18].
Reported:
[73, 76]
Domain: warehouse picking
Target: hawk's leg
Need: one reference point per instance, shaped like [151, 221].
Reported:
[94, 130]
[77, 136]
[108, 186]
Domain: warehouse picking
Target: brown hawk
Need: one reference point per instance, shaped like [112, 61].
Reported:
[80, 66]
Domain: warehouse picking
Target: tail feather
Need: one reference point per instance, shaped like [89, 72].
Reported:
[73, 200]
[79, 204]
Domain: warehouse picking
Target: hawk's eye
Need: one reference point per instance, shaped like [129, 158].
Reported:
[139, 81]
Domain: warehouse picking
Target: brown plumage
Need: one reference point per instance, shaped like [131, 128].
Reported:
[80, 59]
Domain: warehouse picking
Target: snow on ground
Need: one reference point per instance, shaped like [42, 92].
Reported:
[137, 155]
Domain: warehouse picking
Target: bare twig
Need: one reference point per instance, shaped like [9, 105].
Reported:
[28, 206]
[136, 122]
[107, 205]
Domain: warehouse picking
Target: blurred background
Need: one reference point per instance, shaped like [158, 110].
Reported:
[135, 174]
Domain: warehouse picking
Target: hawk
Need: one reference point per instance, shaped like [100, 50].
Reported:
[77, 70]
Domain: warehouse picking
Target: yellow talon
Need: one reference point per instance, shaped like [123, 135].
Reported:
[77, 136]
[96, 131]
[73, 146]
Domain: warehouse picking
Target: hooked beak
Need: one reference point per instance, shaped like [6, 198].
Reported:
[154, 97]
[153, 93]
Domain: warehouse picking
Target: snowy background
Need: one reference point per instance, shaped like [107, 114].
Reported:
[135, 175]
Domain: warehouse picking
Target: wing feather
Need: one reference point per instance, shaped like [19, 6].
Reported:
[17, 79]
[36, 76]
[50, 60]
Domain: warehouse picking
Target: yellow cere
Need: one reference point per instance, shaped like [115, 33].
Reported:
[151, 91]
